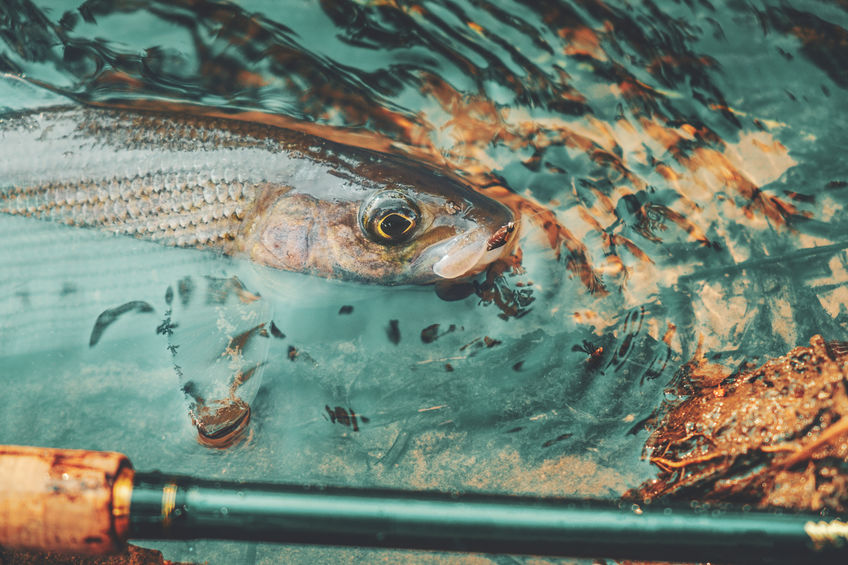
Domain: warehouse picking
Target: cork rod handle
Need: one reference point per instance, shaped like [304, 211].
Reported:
[64, 500]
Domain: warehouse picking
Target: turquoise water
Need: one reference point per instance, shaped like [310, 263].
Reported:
[694, 152]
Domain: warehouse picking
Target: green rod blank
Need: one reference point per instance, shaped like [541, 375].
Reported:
[186, 508]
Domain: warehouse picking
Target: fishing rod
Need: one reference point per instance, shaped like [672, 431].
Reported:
[93, 502]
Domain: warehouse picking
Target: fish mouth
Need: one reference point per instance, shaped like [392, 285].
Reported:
[467, 253]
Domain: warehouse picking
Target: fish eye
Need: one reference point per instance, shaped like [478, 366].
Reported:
[389, 217]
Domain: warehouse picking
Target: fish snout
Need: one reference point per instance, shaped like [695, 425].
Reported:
[470, 252]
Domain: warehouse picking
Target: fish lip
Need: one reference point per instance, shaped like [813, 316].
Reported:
[466, 253]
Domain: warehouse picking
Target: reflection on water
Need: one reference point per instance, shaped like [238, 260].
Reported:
[676, 166]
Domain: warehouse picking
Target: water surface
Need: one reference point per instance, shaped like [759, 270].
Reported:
[680, 170]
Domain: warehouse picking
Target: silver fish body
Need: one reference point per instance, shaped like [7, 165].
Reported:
[281, 198]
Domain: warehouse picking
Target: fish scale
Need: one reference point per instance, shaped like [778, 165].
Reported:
[163, 179]
[158, 206]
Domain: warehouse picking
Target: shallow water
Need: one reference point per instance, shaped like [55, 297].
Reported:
[692, 152]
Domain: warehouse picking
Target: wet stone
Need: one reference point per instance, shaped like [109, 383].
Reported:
[430, 333]
[393, 331]
[275, 331]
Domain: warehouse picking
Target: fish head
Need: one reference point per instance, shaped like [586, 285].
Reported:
[391, 225]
